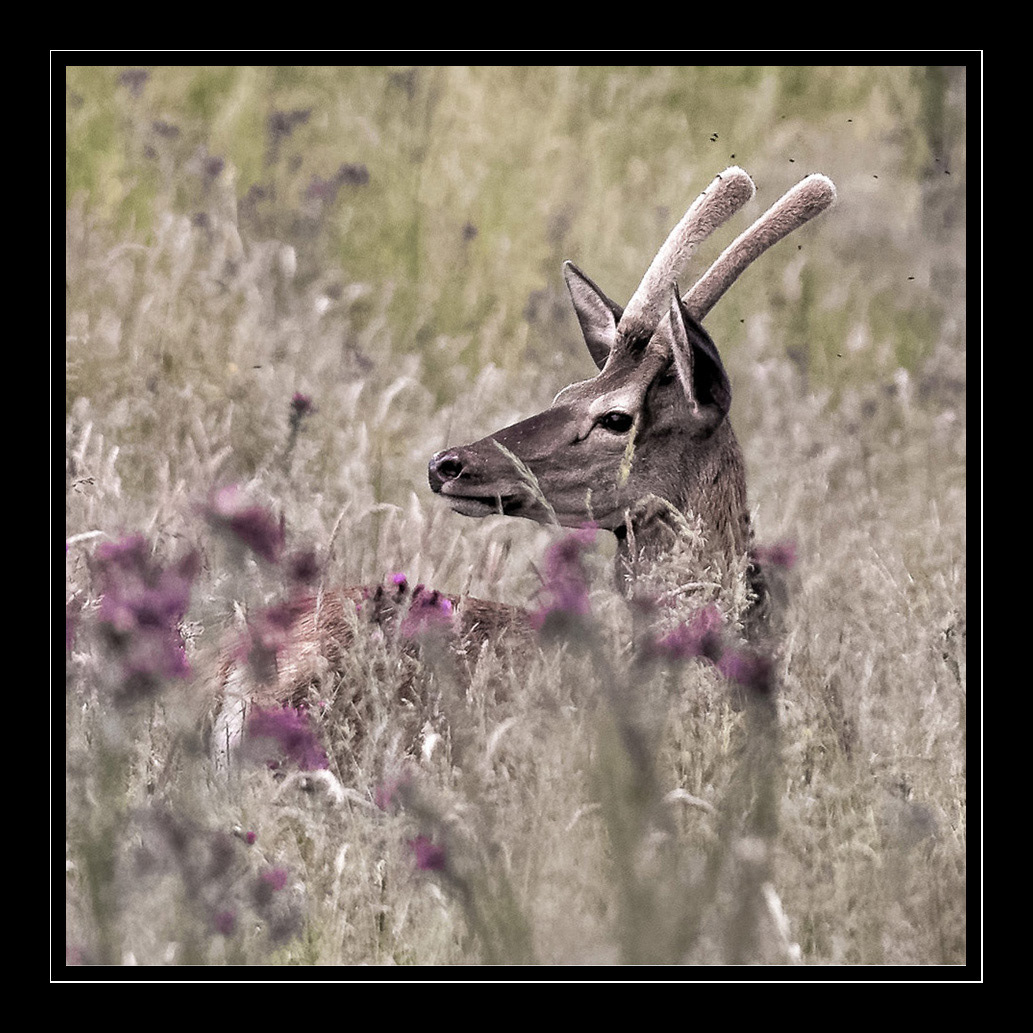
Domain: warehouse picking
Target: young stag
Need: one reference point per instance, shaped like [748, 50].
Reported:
[644, 449]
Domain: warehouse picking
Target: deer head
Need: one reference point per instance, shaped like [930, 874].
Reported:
[652, 424]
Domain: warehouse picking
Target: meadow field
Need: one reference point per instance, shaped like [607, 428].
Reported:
[285, 289]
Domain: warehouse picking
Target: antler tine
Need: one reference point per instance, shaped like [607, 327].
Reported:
[726, 194]
[810, 197]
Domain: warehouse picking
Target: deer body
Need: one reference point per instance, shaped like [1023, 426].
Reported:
[641, 449]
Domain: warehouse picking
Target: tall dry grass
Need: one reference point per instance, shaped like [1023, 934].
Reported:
[386, 244]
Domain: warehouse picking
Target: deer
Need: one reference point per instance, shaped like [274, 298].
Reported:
[646, 441]
[643, 450]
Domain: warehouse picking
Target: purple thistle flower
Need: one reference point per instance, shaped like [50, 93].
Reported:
[748, 669]
[269, 881]
[303, 566]
[292, 733]
[429, 856]
[781, 554]
[253, 525]
[225, 922]
[565, 586]
[148, 659]
[429, 611]
[301, 406]
[275, 878]
[698, 637]
[140, 609]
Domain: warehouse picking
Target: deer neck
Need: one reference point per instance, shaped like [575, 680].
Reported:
[704, 526]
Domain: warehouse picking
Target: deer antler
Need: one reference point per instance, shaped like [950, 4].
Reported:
[726, 194]
[810, 197]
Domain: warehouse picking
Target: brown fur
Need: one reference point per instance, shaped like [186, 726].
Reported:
[323, 628]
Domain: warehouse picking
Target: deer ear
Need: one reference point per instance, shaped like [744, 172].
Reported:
[597, 315]
[699, 365]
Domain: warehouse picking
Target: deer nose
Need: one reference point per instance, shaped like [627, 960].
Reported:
[444, 466]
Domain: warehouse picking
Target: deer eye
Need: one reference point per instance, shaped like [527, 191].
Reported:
[617, 422]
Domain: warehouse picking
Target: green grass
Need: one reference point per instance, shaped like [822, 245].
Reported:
[418, 302]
